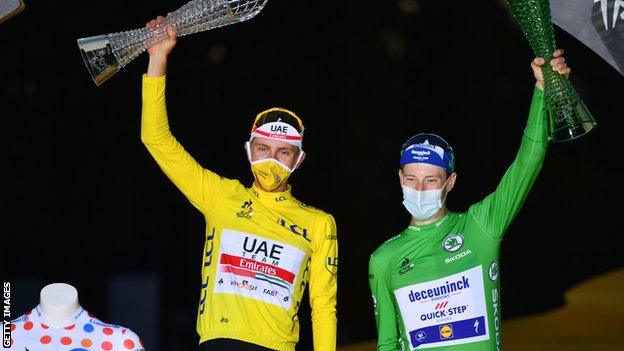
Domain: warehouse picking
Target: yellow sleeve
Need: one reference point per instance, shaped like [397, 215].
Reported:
[202, 187]
[323, 286]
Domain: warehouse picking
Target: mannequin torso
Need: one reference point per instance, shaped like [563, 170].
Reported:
[60, 323]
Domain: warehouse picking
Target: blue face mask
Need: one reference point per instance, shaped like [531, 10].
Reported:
[422, 204]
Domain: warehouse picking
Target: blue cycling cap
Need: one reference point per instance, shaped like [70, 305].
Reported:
[428, 148]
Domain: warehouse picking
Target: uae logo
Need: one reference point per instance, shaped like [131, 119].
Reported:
[453, 242]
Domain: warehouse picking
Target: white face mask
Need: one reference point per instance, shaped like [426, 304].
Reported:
[422, 204]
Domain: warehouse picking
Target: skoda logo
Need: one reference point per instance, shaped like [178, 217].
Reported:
[493, 271]
[453, 242]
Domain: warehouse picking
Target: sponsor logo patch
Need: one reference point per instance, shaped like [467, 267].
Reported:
[453, 242]
[331, 265]
[457, 256]
[246, 210]
[446, 331]
[406, 266]
[447, 311]
[493, 271]
[259, 268]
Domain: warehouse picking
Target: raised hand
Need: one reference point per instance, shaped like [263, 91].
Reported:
[159, 52]
[557, 63]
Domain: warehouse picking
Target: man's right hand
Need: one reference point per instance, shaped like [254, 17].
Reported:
[159, 52]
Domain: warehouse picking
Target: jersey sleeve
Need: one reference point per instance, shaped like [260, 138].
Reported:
[496, 212]
[324, 286]
[202, 187]
[130, 341]
[385, 313]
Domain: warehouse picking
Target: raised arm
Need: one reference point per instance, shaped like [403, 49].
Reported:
[496, 212]
[202, 187]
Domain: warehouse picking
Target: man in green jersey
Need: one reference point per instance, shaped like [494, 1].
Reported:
[436, 284]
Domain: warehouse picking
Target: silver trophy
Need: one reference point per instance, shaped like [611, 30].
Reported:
[104, 55]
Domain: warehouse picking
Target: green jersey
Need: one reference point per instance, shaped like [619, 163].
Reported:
[438, 286]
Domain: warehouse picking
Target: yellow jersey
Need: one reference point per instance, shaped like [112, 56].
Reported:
[261, 249]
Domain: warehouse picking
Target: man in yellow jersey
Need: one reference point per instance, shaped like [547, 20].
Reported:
[262, 245]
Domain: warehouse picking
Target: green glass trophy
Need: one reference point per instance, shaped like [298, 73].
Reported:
[568, 117]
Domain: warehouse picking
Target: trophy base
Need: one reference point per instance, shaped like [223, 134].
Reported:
[98, 56]
[570, 120]
[572, 132]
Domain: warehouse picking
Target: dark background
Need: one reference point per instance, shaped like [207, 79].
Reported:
[84, 203]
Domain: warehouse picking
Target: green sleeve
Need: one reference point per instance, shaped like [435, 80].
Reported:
[496, 212]
[385, 314]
